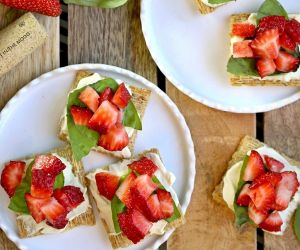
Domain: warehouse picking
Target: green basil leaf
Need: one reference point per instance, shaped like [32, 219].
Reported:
[117, 206]
[242, 66]
[219, 1]
[297, 223]
[98, 3]
[131, 117]
[59, 181]
[176, 214]
[271, 8]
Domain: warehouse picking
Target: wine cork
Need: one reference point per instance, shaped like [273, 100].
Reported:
[18, 40]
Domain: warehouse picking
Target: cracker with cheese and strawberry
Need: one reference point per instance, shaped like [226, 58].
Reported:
[103, 114]
[48, 193]
[135, 198]
[264, 47]
[208, 6]
[261, 187]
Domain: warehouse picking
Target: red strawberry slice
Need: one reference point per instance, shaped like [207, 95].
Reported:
[81, 116]
[265, 67]
[257, 216]
[244, 198]
[105, 117]
[255, 166]
[286, 42]
[143, 166]
[144, 185]
[34, 205]
[273, 178]
[153, 208]
[134, 225]
[285, 62]
[115, 140]
[90, 98]
[121, 97]
[55, 213]
[273, 165]
[242, 49]
[266, 44]
[11, 176]
[123, 191]
[69, 197]
[107, 184]
[272, 223]
[243, 29]
[292, 28]
[106, 95]
[271, 22]
[166, 203]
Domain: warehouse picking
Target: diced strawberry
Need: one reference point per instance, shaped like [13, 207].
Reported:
[285, 62]
[242, 49]
[266, 44]
[292, 28]
[257, 216]
[166, 203]
[272, 223]
[271, 22]
[34, 205]
[134, 225]
[265, 67]
[105, 117]
[90, 98]
[115, 140]
[107, 184]
[123, 191]
[121, 97]
[255, 167]
[244, 198]
[144, 185]
[243, 29]
[81, 116]
[69, 197]
[55, 213]
[152, 209]
[106, 95]
[272, 178]
[11, 176]
[286, 42]
[273, 165]
[143, 166]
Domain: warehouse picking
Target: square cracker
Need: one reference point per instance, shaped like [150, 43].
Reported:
[140, 98]
[86, 218]
[203, 8]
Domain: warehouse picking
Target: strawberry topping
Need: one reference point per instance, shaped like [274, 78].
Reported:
[286, 42]
[244, 198]
[144, 166]
[166, 203]
[106, 95]
[123, 191]
[273, 178]
[292, 28]
[271, 22]
[107, 184]
[69, 197]
[34, 205]
[265, 67]
[242, 49]
[285, 62]
[272, 223]
[152, 209]
[144, 186]
[273, 165]
[90, 98]
[243, 29]
[255, 167]
[121, 97]
[81, 116]
[257, 216]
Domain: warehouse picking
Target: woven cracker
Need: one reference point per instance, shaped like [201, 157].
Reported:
[120, 240]
[140, 98]
[86, 218]
[204, 9]
[251, 81]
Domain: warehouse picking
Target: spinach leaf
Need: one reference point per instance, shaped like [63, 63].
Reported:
[117, 206]
[271, 8]
[59, 181]
[242, 66]
[297, 223]
[98, 3]
[219, 1]
[131, 117]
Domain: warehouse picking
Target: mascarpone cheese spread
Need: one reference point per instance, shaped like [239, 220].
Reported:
[212, 4]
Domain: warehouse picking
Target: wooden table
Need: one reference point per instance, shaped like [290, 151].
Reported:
[114, 37]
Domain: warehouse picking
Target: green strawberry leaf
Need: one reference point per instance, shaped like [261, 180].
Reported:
[117, 207]
[297, 223]
[219, 1]
[98, 3]
[271, 8]
[242, 66]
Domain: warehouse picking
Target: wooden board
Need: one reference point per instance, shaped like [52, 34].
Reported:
[216, 135]
[40, 61]
[281, 131]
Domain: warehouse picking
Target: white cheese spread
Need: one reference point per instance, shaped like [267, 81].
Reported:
[214, 5]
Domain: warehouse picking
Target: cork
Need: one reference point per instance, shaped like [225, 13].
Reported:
[18, 40]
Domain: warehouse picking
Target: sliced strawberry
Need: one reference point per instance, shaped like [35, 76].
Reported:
[143, 166]
[242, 49]
[272, 223]
[144, 185]
[166, 203]
[265, 67]
[105, 117]
[257, 216]
[106, 95]
[286, 42]
[266, 44]
[255, 166]
[292, 28]
[285, 62]
[34, 205]
[244, 198]
[81, 116]
[134, 225]
[121, 97]
[271, 22]
[115, 140]
[69, 197]
[90, 98]
[273, 165]
[107, 184]
[11, 176]
[123, 191]
[272, 178]
[243, 29]
[153, 208]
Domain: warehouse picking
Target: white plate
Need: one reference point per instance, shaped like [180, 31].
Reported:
[192, 51]
[29, 124]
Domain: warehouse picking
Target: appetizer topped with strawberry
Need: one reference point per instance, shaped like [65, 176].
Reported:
[265, 47]
[135, 199]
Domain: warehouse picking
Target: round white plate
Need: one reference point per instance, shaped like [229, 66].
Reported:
[29, 124]
[192, 51]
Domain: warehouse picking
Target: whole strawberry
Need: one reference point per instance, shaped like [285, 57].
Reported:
[44, 7]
